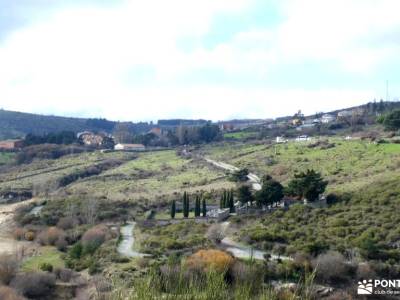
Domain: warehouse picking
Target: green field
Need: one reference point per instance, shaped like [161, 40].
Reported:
[43, 174]
[6, 158]
[240, 135]
[348, 165]
[49, 255]
[153, 175]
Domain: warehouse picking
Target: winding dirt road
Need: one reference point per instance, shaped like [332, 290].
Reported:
[253, 178]
[8, 244]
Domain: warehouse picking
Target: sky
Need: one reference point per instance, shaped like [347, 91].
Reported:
[213, 59]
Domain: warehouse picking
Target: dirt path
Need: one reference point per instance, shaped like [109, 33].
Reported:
[7, 243]
[252, 178]
[127, 244]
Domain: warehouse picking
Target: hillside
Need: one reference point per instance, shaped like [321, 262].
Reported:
[16, 124]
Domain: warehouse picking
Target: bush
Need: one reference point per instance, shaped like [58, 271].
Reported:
[61, 244]
[46, 267]
[331, 267]
[29, 236]
[63, 274]
[8, 268]
[34, 285]
[18, 234]
[94, 237]
[7, 293]
[66, 223]
[207, 260]
[51, 235]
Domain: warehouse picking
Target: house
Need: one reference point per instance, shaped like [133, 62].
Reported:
[303, 138]
[89, 138]
[327, 118]
[11, 144]
[129, 147]
[280, 140]
[156, 131]
[345, 113]
[219, 214]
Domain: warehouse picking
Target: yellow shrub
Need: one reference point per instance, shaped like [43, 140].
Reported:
[210, 259]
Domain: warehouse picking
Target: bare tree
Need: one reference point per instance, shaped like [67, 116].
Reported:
[90, 210]
[216, 233]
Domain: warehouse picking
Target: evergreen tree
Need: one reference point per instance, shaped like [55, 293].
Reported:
[308, 185]
[185, 205]
[204, 208]
[197, 207]
[244, 194]
[231, 202]
[221, 202]
[173, 209]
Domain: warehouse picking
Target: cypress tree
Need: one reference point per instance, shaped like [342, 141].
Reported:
[204, 208]
[173, 209]
[197, 207]
[231, 202]
[185, 205]
[221, 202]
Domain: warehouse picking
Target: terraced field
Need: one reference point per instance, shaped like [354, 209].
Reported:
[153, 175]
[44, 174]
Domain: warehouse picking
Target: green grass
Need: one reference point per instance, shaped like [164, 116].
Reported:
[41, 173]
[6, 158]
[48, 255]
[349, 165]
[240, 135]
[153, 175]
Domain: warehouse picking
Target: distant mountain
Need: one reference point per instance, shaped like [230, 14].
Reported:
[17, 125]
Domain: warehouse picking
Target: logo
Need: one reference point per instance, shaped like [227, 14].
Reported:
[365, 287]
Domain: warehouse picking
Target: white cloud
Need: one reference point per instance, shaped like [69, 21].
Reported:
[77, 59]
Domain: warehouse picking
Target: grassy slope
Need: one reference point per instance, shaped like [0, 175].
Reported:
[366, 174]
[6, 158]
[348, 166]
[48, 255]
[45, 172]
[153, 174]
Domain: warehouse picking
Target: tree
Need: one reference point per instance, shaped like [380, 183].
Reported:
[231, 202]
[173, 209]
[271, 192]
[307, 185]
[204, 207]
[244, 194]
[197, 207]
[185, 205]
[240, 175]
[391, 121]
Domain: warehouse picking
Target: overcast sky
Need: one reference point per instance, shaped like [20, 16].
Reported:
[214, 59]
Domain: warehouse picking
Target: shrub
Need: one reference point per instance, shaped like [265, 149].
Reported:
[331, 267]
[76, 251]
[215, 233]
[209, 260]
[7, 293]
[94, 237]
[51, 235]
[64, 274]
[66, 223]
[34, 285]
[29, 236]
[8, 268]
[61, 244]
[18, 234]
[46, 267]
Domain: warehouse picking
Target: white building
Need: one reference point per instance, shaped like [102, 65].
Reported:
[129, 147]
[280, 140]
[327, 118]
[303, 138]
